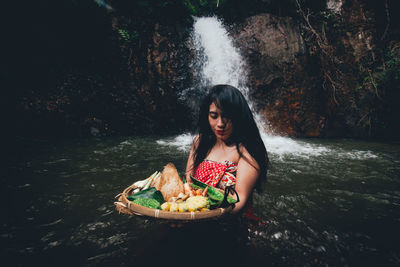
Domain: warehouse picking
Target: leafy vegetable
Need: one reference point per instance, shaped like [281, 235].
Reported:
[213, 203]
[231, 200]
[150, 193]
[148, 202]
[213, 193]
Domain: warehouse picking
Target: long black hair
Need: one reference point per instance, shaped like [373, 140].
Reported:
[245, 132]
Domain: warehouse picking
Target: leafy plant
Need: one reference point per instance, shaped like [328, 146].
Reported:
[198, 7]
[382, 76]
[132, 36]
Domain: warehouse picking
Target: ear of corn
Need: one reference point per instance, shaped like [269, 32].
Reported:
[173, 206]
[182, 207]
[165, 206]
[195, 203]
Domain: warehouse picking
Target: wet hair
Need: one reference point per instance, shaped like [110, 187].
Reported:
[245, 132]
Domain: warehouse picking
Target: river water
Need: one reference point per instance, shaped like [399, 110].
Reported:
[326, 202]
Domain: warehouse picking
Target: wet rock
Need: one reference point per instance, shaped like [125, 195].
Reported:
[157, 70]
[94, 131]
[280, 75]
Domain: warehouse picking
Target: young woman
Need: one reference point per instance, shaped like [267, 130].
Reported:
[228, 148]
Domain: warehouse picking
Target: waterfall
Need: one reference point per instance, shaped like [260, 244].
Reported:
[218, 61]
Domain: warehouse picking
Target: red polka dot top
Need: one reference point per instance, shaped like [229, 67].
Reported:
[216, 174]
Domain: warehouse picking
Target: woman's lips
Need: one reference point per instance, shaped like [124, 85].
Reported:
[220, 132]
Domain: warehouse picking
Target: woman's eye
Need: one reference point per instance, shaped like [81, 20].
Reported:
[213, 115]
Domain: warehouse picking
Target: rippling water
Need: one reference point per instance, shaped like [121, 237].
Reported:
[327, 202]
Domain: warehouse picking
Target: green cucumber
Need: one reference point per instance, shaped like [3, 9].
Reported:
[212, 192]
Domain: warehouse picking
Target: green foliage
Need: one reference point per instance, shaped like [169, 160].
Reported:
[199, 7]
[190, 7]
[132, 36]
[383, 76]
[327, 14]
[330, 22]
[377, 96]
[392, 72]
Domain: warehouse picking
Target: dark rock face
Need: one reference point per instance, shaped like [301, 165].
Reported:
[325, 74]
[157, 73]
[123, 82]
[281, 75]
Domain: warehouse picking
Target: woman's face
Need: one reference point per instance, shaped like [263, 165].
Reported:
[221, 126]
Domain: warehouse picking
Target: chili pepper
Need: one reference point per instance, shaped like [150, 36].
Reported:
[205, 191]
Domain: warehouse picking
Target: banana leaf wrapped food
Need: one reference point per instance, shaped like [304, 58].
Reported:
[150, 193]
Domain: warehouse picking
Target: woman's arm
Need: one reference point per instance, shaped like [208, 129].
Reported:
[189, 164]
[247, 175]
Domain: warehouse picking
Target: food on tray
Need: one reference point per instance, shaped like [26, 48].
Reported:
[188, 189]
[170, 183]
[156, 182]
[146, 183]
[151, 193]
[147, 202]
[167, 192]
[181, 196]
[215, 196]
[195, 203]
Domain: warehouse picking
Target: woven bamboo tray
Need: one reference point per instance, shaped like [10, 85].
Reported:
[126, 206]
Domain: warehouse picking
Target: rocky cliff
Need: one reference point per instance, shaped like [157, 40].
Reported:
[281, 77]
[323, 72]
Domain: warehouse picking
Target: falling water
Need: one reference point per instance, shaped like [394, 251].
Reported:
[218, 61]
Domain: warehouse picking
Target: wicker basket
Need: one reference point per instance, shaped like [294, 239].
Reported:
[126, 206]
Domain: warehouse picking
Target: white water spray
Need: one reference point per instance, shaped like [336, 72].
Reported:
[219, 62]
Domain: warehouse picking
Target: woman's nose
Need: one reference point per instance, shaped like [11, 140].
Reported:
[221, 122]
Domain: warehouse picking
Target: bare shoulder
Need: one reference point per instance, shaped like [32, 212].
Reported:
[246, 157]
